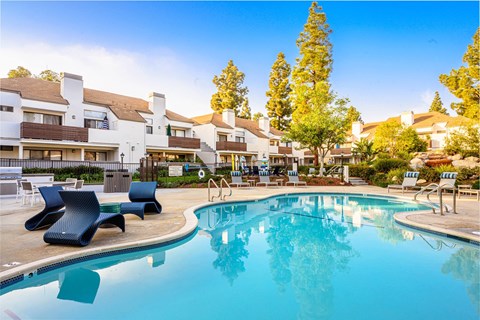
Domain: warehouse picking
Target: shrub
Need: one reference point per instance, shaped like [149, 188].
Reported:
[385, 165]
[380, 179]
[429, 174]
[398, 173]
[363, 171]
[476, 185]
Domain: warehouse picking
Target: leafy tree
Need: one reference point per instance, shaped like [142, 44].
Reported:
[437, 104]
[257, 115]
[353, 115]
[230, 92]
[465, 141]
[279, 108]
[318, 117]
[20, 72]
[464, 83]
[245, 111]
[49, 75]
[395, 139]
[364, 149]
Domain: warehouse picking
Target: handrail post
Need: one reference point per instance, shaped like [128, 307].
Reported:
[440, 200]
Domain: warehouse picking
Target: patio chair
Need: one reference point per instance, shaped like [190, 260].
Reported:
[293, 179]
[142, 197]
[78, 185]
[81, 219]
[276, 171]
[29, 191]
[255, 170]
[237, 179]
[19, 188]
[265, 179]
[409, 182]
[51, 213]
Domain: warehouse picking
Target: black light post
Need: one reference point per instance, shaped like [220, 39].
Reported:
[121, 157]
[341, 158]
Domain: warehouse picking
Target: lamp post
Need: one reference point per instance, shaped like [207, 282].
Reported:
[341, 160]
[121, 157]
[215, 165]
[285, 161]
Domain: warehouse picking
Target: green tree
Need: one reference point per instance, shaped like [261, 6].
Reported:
[464, 83]
[364, 149]
[279, 108]
[397, 140]
[437, 104]
[49, 75]
[318, 119]
[257, 115]
[230, 92]
[245, 111]
[465, 141]
[20, 72]
[353, 115]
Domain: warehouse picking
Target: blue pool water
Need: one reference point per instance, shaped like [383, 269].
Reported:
[308, 256]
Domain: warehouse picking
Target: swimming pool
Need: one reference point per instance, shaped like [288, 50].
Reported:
[308, 256]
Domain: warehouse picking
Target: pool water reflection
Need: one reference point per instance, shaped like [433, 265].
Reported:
[307, 256]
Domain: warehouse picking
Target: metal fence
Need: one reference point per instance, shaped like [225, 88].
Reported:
[55, 164]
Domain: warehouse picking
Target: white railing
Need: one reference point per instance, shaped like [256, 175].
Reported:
[433, 187]
[220, 194]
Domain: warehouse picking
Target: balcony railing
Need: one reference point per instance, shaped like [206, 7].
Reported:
[285, 150]
[231, 146]
[29, 130]
[181, 142]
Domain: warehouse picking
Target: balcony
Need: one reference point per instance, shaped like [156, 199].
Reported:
[231, 146]
[285, 150]
[29, 130]
[181, 142]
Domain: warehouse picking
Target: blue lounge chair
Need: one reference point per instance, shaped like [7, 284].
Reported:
[142, 197]
[81, 219]
[51, 213]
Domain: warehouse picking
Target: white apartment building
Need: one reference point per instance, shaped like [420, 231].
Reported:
[433, 127]
[64, 121]
[225, 136]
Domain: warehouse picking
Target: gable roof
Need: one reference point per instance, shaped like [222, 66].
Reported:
[216, 120]
[276, 132]
[34, 89]
[124, 107]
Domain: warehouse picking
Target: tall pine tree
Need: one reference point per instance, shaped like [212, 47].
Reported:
[230, 92]
[437, 104]
[353, 115]
[464, 83]
[279, 108]
[318, 120]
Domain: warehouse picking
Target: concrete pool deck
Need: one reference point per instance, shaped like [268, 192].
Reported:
[24, 251]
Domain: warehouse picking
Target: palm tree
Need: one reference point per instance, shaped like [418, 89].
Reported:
[364, 149]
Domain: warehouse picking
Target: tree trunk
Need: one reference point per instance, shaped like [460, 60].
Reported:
[315, 158]
[322, 160]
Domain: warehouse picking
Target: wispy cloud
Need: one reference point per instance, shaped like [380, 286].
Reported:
[188, 89]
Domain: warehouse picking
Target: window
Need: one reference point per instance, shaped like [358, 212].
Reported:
[149, 129]
[6, 148]
[6, 108]
[55, 155]
[274, 142]
[149, 121]
[95, 156]
[222, 137]
[178, 133]
[240, 139]
[288, 144]
[93, 119]
[42, 118]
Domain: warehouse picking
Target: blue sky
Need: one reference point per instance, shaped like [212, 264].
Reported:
[387, 55]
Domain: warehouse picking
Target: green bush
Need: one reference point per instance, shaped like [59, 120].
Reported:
[385, 165]
[476, 185]
[363, 171]
[398, 173]
[380, 180]
[87, 173]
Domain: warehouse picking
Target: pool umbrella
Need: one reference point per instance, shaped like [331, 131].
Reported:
[169, 130]
[236, 163]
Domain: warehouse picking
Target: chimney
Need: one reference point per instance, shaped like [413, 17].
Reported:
[157, 104]
[228, 116]
[71, 87]
[406, 118]
[264, 124]
[357, 128]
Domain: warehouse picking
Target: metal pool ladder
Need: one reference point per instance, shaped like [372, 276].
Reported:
[433, 187]
[220, 194]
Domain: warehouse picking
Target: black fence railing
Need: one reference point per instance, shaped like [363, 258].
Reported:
[56, 164]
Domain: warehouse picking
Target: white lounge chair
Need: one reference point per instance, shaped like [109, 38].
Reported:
[409, 181]
[237, 179]
[265, 179]
[293, 179]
